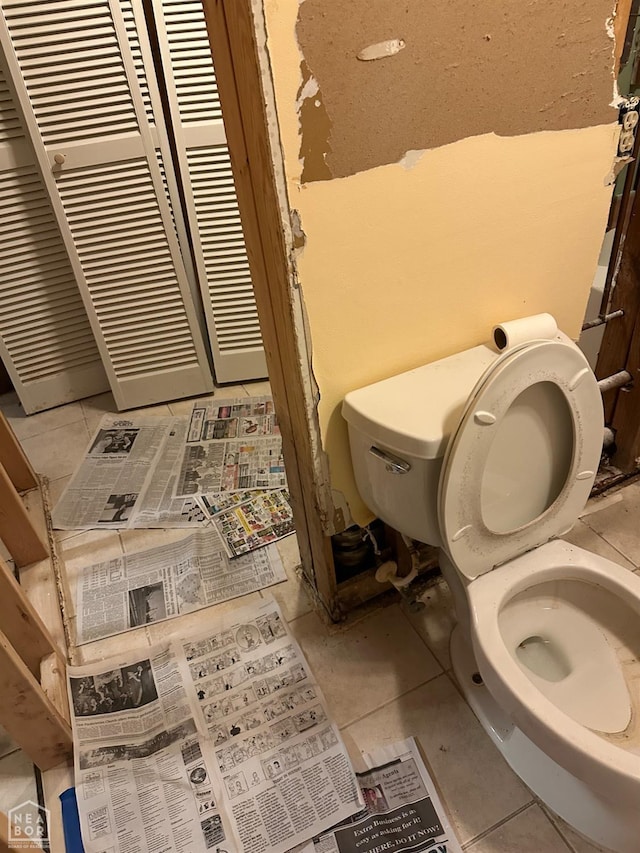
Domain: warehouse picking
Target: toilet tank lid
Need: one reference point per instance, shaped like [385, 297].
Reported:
[416, 412]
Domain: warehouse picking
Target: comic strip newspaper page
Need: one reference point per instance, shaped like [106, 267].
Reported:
[284, 769]
[216, 742]
[159, 583]
[403, 811]
[232, 445]
[261, 518]
[127, 478]
[143, 779]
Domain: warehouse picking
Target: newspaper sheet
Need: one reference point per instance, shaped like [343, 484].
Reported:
[260, 518]
[237, 418]
[402, 809]
[284, 769]
[143, 778]
[127, 478]
[106, 489]
[158, 506]
[232, 445]
[159, 583]
[215, 742]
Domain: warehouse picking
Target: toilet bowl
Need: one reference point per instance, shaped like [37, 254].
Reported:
[491, 456]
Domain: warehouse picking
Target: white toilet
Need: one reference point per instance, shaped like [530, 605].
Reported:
[491, 455]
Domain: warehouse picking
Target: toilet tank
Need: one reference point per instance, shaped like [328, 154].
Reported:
[398, 433]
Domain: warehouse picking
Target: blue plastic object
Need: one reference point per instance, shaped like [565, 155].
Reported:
[71, 822]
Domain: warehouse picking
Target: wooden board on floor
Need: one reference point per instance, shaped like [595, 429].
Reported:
[17, 530]
[14, 459]
[28, 715]
[39, 584]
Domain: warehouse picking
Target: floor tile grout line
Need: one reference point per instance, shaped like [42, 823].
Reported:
[422, 639]
[548, 813]
[11, 752]
[402, 695]
[557, 829]
[44, 431]
[615, 548]
[481, 835]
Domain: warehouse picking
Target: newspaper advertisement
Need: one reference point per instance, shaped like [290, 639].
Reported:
[143, 778]
[230, 466]
[218, 742]
[127, 478]
[284, 769]
[402, 812]
[232, 445]
[237, 418]
[159, 583]
[262, 517]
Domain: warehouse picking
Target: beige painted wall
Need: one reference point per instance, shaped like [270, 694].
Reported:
[403, 266]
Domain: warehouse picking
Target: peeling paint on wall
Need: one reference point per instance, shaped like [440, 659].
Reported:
[299, 237]
[382, 49]
[414, 260]
[315, 129]
[465, 69]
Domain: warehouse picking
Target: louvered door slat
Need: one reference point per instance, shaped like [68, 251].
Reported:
[46, 341]
[187, 39]
[84, 77]
[216, 228]
[77, 38]
[106, 194]
[227, 266]
[136, 51]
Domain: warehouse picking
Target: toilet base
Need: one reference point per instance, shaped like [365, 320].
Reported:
[612, 825]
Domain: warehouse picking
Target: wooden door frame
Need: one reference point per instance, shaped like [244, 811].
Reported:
[244, 87]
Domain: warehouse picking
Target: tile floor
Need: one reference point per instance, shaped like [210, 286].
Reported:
[386, 676]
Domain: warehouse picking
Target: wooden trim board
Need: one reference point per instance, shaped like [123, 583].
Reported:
[16, 527]
[234, 46]
[39, 582]
[14, 459]
[21, 623]
[28, 715]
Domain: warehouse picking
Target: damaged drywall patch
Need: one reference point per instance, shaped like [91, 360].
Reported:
[627, 130]
[507, 67]
[381, 50]
[299, 237]
[411, 159]
[315, 128]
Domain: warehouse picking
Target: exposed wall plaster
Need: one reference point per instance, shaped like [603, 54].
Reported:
[292, 228]
[315, 128]
[408, 262]
[381, 50]
[463, 69]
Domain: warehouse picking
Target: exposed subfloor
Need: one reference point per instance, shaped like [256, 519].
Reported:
[386, 675]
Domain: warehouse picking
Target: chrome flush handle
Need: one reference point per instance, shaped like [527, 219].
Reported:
[392, 463]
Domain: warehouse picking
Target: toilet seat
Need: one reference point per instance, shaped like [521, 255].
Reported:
[583, 752]
[564, 384]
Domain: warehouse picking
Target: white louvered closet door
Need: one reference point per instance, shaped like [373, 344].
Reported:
[79, 89]
[46, 342]
[212, 208]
